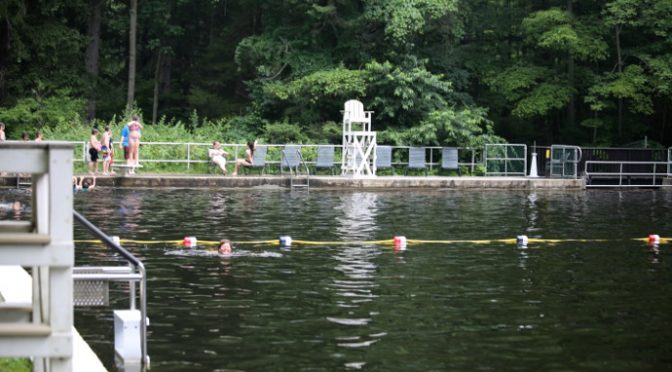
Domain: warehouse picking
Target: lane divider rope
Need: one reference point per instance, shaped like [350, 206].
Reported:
[381, 242]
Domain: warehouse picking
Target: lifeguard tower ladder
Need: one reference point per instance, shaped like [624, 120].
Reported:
[41, 328]
[359, 142]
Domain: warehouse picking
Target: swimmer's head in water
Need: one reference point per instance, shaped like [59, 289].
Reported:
[86, 184]
[225, 246]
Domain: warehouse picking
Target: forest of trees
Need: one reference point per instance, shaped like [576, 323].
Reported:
[436, 72]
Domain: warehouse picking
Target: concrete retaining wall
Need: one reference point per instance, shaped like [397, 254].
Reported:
[334, 182]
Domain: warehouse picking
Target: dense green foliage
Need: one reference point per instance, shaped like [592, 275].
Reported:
[16, 364]
[439, 72]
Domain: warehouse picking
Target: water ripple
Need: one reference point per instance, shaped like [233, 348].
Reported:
[432, 307]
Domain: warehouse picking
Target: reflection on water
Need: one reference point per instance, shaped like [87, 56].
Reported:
[358, 218]
[16, 204]
[129, 210]
[571, 306]
[356, 285]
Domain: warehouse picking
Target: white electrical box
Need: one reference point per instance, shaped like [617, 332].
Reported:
[127, 340]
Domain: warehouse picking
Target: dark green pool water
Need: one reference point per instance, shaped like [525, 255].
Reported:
[570, 306]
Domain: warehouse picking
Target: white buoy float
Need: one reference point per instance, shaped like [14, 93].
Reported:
[522, 240]
[116, 240]
[285, 241]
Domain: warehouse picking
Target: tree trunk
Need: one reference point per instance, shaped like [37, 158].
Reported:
[92, 55]
[166, 70]
[571, 109]
[157, 82]
[664, 124]
[5, 46]
[131, 53]
[619, 66]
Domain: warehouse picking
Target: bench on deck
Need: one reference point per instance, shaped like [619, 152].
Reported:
[125, 168]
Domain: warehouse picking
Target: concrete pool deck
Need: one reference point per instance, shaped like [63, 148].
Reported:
[331, 182]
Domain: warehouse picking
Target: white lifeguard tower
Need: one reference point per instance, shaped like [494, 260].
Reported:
[359, 142]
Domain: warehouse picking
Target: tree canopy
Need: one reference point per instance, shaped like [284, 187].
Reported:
[441, 72]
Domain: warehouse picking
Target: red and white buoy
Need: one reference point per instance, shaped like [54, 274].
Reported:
[400, 243]
[190, 241]
[654, 239]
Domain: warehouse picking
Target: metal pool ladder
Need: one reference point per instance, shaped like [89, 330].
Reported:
[299, 174]
[91, 287]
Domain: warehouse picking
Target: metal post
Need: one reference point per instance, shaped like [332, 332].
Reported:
[506, 161]
[431, 158]
[188, 155]
[131, 292]
[473, 160]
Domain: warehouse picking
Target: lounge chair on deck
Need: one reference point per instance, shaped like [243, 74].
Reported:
[291, 158]
[416, 159]
[384, 158]
[450, 159]
[259, 159]
[325, 158]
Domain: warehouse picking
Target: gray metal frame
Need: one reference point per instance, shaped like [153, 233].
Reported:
[190, 158]
[565, 161]
[133, 273]
[489, 158]
[46, 245]
[621, 174]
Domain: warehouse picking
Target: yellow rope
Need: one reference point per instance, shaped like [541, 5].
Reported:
[379, 242]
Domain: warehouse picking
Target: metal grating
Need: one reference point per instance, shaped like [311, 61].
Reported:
[91, 293]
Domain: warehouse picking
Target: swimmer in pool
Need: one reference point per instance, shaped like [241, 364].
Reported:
[12, 206]
[83, 184]
[225, 247]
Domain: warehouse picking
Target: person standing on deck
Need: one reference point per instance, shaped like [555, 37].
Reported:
[134, 142]
[94, 147]
[123, 141]
[106, 149]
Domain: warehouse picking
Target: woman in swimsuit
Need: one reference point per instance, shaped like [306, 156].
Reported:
[248, 160]
[217, 155]
[133, 142]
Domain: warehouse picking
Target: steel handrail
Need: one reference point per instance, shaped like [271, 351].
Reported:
[188, 158]
[142, 277]
[621, 174]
